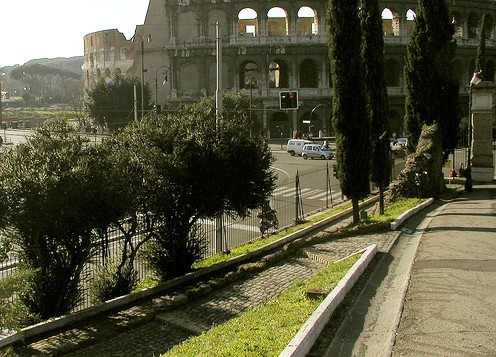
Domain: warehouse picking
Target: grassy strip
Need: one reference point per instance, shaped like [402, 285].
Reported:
[248, 247]
[267, 329]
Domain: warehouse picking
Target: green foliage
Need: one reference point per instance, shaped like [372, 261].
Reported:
[171, 255]
[13, 314]
[111, 101]
[172, 171]
[111, 281]
[350, 119]
[376, 90]
[53, 191]
[432, 90]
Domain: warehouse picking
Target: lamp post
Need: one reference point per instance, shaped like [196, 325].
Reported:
[1, 111]
[143, 70]
[166, 72]
[476, 79]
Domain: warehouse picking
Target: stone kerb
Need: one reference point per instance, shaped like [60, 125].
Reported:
[301, 344]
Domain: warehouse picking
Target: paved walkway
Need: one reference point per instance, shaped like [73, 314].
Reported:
[450, 306]
[154, 331]
[435, 293]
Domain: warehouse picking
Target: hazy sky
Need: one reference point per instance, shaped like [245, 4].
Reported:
[32, 29]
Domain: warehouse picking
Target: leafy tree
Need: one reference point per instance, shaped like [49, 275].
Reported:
[372, 53]
[432, 90]
[351, 122]
[181, 170]
[39, 78]
[54, 200]
[111, 101]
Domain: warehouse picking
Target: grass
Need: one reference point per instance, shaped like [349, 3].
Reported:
[266, 329]
[246, 248]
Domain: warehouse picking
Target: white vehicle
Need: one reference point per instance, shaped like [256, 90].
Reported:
[295, 146]
[315, 151]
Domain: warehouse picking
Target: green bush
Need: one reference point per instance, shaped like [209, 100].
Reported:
[111, 281]
[171, 255]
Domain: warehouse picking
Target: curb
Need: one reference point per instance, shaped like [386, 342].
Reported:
[70, 319]
[399, 221]
[303, 341]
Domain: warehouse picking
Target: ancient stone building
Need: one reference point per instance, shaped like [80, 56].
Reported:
[269, 47]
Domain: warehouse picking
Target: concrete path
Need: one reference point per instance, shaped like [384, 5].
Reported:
[435, 293]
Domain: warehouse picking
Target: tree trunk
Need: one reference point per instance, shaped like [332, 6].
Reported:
[356, 210]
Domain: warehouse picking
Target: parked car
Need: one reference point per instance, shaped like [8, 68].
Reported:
[295, 146]
[314, 151]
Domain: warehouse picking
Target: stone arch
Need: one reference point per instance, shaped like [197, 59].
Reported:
[315, 125]
[187, 26]
[309, 77]
[279, 122]
[473, 25]
[307, 22]
[410, 20]
[249, 75]
[247, 22]
[188, 78]
[457, 23]
[278, 74]
[392, 72]
[390, 22]
[277, 22]
[212, 77]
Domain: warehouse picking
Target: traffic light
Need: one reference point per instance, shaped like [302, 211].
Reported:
[288, 100]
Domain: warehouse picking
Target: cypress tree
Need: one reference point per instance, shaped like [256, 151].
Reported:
[432, 91]
[376, 90]
[351, 122]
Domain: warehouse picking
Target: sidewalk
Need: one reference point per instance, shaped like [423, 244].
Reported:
[435, 293]
[450, 306]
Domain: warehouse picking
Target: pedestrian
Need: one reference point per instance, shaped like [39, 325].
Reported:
[461, 170]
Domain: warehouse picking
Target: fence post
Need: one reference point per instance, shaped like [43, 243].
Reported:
[218, 233]
[298, 200]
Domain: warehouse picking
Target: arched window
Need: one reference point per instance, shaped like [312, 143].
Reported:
[473, 25]
[308, 74]
[187, 25]
[278, 76]
[390, 23]
[249, 76]
[306, 23]
[277, 23]
[410, 20]
[188, 83]
[215, 16]
[247, 22]
[458, 23]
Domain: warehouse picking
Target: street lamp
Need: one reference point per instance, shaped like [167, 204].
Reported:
[476, 79]
[165, 72]
[1, 110]
[143, 70]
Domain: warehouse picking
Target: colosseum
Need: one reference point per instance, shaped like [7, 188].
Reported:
[269, 47]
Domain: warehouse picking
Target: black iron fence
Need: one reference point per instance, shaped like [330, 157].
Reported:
[292, 201]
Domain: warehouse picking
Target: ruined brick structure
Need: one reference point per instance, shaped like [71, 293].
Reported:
[269, 47]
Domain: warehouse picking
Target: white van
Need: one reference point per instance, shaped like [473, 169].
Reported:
[296, 145]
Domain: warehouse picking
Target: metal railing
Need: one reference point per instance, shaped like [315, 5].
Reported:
[292, 201]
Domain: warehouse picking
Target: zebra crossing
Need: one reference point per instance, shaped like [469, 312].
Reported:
[307, 193]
